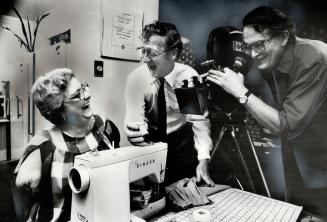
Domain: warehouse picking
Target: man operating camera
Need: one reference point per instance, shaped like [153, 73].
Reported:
[296, 70]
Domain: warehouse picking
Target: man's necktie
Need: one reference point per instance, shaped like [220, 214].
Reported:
[162, 114]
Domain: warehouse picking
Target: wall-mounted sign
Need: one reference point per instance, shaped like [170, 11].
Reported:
[121, 31]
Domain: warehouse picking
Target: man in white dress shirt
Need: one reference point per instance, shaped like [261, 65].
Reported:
[188, 136]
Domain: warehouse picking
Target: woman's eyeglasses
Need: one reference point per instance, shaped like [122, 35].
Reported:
[80, 93]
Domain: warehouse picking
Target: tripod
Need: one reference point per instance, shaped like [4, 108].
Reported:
[226, 110]
[248, 175]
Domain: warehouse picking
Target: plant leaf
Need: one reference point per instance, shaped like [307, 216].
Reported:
[38, 21]
[43, 16]
[22, 43]
[23, 27]
[17, 36]
[29, 30]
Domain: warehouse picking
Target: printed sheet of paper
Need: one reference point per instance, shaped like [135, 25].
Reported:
[121, 34]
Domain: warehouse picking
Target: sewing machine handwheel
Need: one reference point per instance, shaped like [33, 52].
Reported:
[79, 179]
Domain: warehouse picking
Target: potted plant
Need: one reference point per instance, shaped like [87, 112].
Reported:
[29, 35]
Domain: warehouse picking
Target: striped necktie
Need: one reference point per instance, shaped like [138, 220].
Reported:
[162, 114]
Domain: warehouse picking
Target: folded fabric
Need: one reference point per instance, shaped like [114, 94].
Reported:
[185, 193]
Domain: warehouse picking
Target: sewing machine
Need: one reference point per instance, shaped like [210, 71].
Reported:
[100, 182]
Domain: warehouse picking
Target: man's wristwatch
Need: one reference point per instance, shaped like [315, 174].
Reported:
[244, 99]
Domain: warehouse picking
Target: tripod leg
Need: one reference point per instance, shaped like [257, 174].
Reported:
[236, 179]
[221, 134]
[257, 161]
[243, 163]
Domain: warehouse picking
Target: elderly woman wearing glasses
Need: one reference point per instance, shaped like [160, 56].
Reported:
[43, 169]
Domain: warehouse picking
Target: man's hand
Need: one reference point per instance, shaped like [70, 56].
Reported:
[134, 134]
[230, 81]
[202, 173]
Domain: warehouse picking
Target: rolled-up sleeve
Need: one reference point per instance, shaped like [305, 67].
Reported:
[134, 99]
[202, 139]
[304, 97]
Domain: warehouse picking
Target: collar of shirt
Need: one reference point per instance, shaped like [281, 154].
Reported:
[287, 60]
[170, 78]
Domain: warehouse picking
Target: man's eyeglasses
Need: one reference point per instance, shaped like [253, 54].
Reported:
[80, 93]
[150, 53]
[259, 46]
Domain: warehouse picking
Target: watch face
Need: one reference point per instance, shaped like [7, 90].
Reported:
[243, 99]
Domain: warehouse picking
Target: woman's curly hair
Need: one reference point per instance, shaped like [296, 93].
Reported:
[48, 93]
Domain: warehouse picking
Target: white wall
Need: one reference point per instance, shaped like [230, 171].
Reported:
[14, 70]
[83, 17]
[10, 50]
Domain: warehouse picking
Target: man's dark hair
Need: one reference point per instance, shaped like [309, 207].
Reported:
[164, 29]
[267, 17]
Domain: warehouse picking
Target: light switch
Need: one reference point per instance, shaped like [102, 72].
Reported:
[98, 68]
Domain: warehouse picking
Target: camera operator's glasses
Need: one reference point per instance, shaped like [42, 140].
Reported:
[80, 93]
[150, 53]
[259, 46]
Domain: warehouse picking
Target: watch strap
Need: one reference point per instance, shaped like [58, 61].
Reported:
[244, 99]
[247, 94]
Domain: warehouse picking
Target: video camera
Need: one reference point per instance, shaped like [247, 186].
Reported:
[225, 48]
